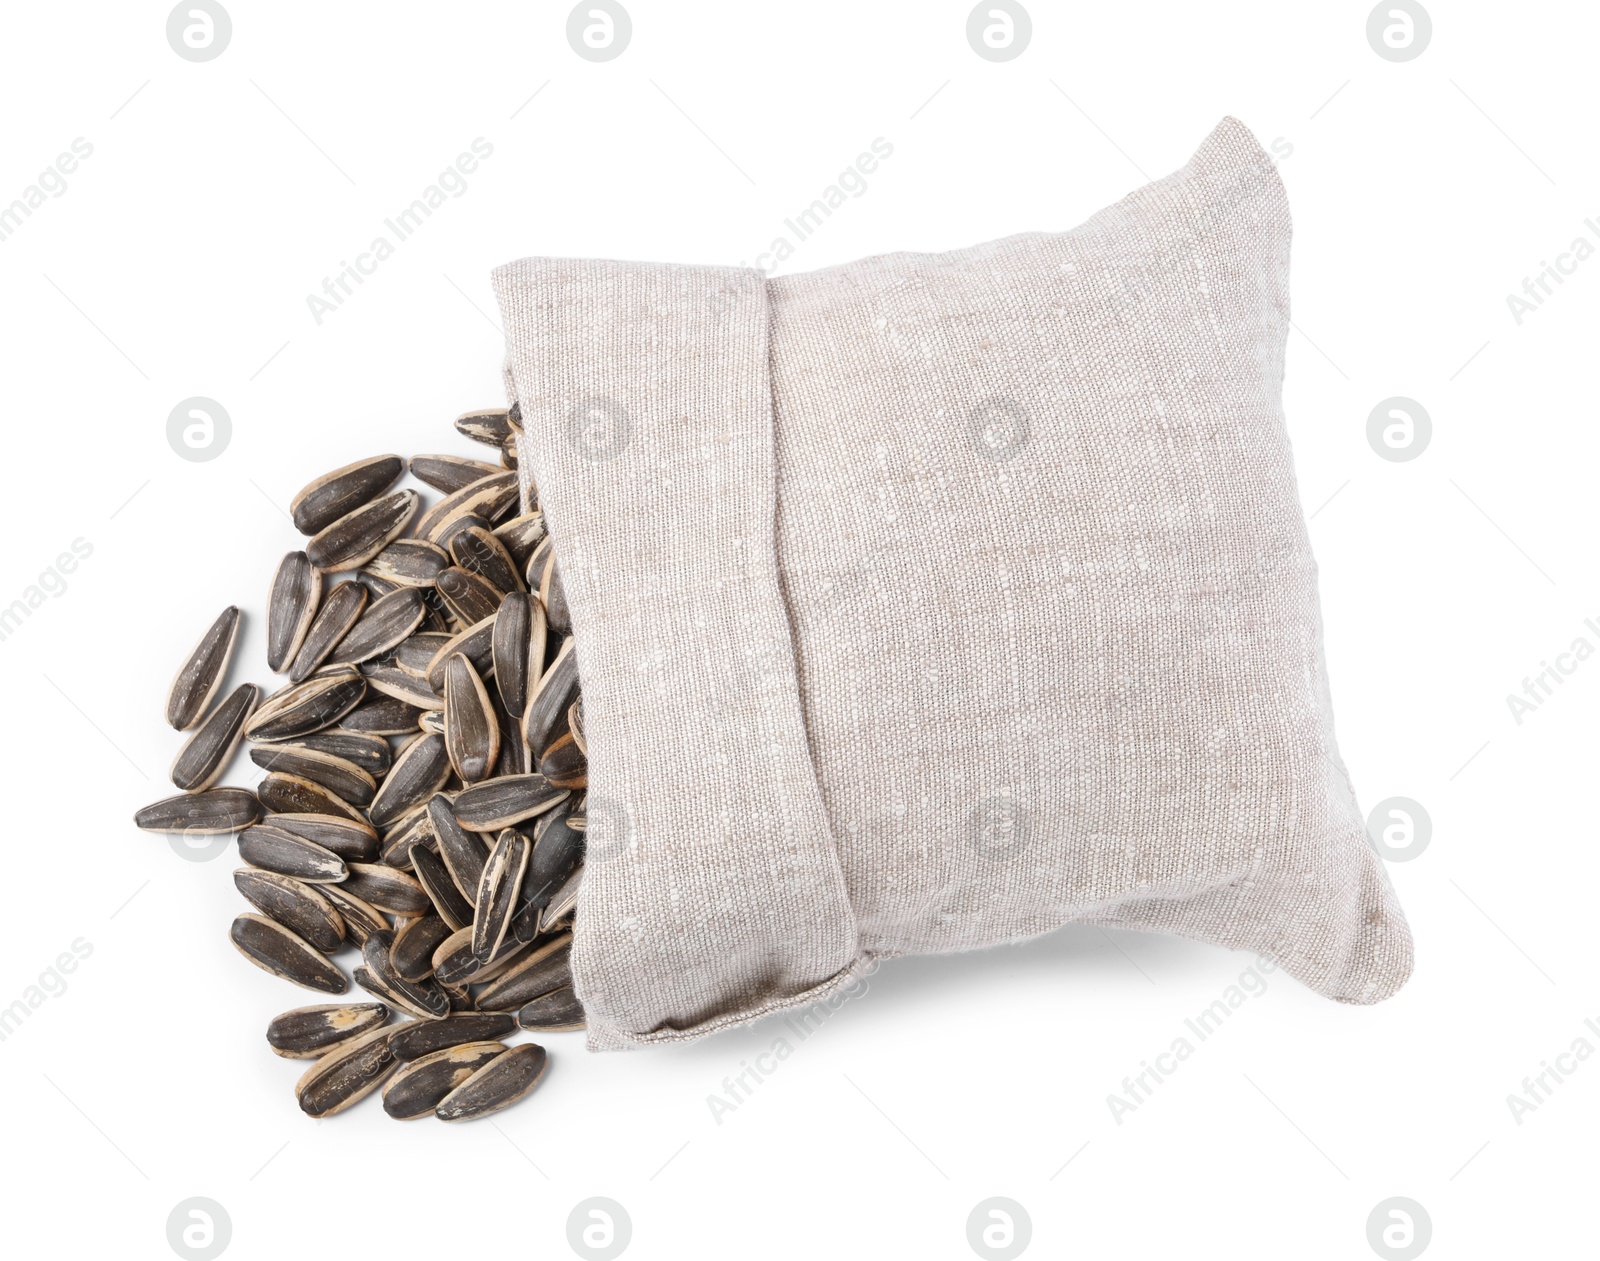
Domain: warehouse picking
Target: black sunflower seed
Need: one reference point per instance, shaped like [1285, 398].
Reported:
[291, 604]
[311, 1032]
[413, 1041]
[419, 771]
[502, 1082]
[207, 752]
[294, 904]
[491, 498]
[551, 697]
[470, 597]
[354, 539]
[412, 950]
[435, 878]
[291, 794]
[509, 646]
[361, 919]
[271, 849]
[519, 536]
[479, 552]
[383, 627]
[422, 1085]
[273, 948]
[559, 1009]
[302, 708]
[463, 853]
[200, 676]
[343, 778]
[471, 731]
[382, 715]
[475, 643]
[347, 1074]
[400, 686]
[341, 609]
[354, 840]
[450, 473]
[499, 889]
[489, 425]
[546, 969]
[336, 494]
[423, 998]
[208, 813]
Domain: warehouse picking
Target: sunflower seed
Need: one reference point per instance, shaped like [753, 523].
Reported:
[462, 852]
[491, 498]
[445, 535]
[200, 676]
[208, 813]
[341, 609]
[575, 725]
[414, 828]
[499, 803]
[490, 425]
[354, 840]
[416, 653]
[354, 539]
[273, 948]
[383, 627]
[347, 1074]
[547, 968]
[387, 889]
[479, 552]
[402, 687]
[341, 777]
[498, 892]
[382, 715]
[422, 998]
[290, 794]
[297, 906]
[470, 597]
[207, 752]
[409, 563]
[475, 643]
[418, 772]
[434, 877]
[557, 851]
[455, 964]
[563, 763]
[312, 1032]
[361, 919]
[333, 495]
[365, 752]
[513, 628]
[377, 586]
[450, 473]
[421, 1085]
[514, 417]
[302, 708]
[508, 452]
[413, 1041]
[519, 536]
[561, 903]
[557, 1010]
[291, 604]
[472, 733]
[554, 597]
[552, 695]
[505, 1080]
[414, 944]
[432, 722]
[271, 849]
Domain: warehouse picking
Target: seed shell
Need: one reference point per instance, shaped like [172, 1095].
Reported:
[498, 892]
[208, 813]
[422, 1085]
[206, 753]
[491, 498]
[347, 1074]
[463, 853]
[499, 803]
[418, 772]
[475, 643]
[291, 794]
[344, 779]
[291, 604]
[557, 1010]
[423, 998]
[478, 552]
[509, 646]
[505, 1080]
[312, 1032]
[547, 968]
[411, 953]
[454, 963]
[489, 425]
[470, 597]
[295, 905]
[410, 563]
[387, 889]
[435, 878]
[414, 829]
[563, 762]
[519, 536]
[383, 627]
[552, 695]
[354, 840]
[200, 676]
[383, 715]
[471, 731]
[450, 473]
[354, 539]
[413, 1041]
[361, 919]
[273, 948]
[302, 708]
[341, 609]
[272, 849]
[333, 495]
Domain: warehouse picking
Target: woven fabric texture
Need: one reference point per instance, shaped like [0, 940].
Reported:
[933, 601]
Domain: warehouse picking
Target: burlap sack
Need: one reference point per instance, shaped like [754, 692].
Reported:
[934, 601]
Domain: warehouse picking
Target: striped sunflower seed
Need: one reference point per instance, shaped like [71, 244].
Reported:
[347, 1074]
[414, 829]
[471, 731]
[382, 714]
[554, 597]
[312, 1032]
[423, 998]
[416, 654]
[500, 803]
[536, 974]
[432, 722]
[366, 752]
[563, 763]
[411, 952]
[402, 687]
[413, 1041]
[450, 473]
[462, 852]
[383, 627]
[477, 551]
[498, 892]
[361, 919]
[295, 905]
[554, 693]
[470, 597]
[519, 536]
[375, 584]
[207, 752]
[200, 676]
[454, 963]
[511, 647]
[354, 840]
[435, 878]
[291, 604]
[562, 902]
[508, 452]
[291, 794]
[272, 849]
[557, 1010]
[557, 851]
[387, 889]
[505, 1080]
[492, 498]
[490, 425]
[341, 609]
[475, 643]
[410, 563]
[445, 535]
[273, 948]
[575, 725]
[208, 813]
[419, 771]
[343, 778]
[422, 1085]
[333, 495]
[354, 539]
[302, 708]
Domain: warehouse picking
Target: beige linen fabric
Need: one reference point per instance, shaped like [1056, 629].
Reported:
[930, 602]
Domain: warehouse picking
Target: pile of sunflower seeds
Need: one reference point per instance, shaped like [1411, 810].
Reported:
[424, 798]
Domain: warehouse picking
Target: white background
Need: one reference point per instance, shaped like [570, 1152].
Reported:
[177, 263]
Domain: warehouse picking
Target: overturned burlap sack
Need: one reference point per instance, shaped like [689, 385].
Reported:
[934, 601]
